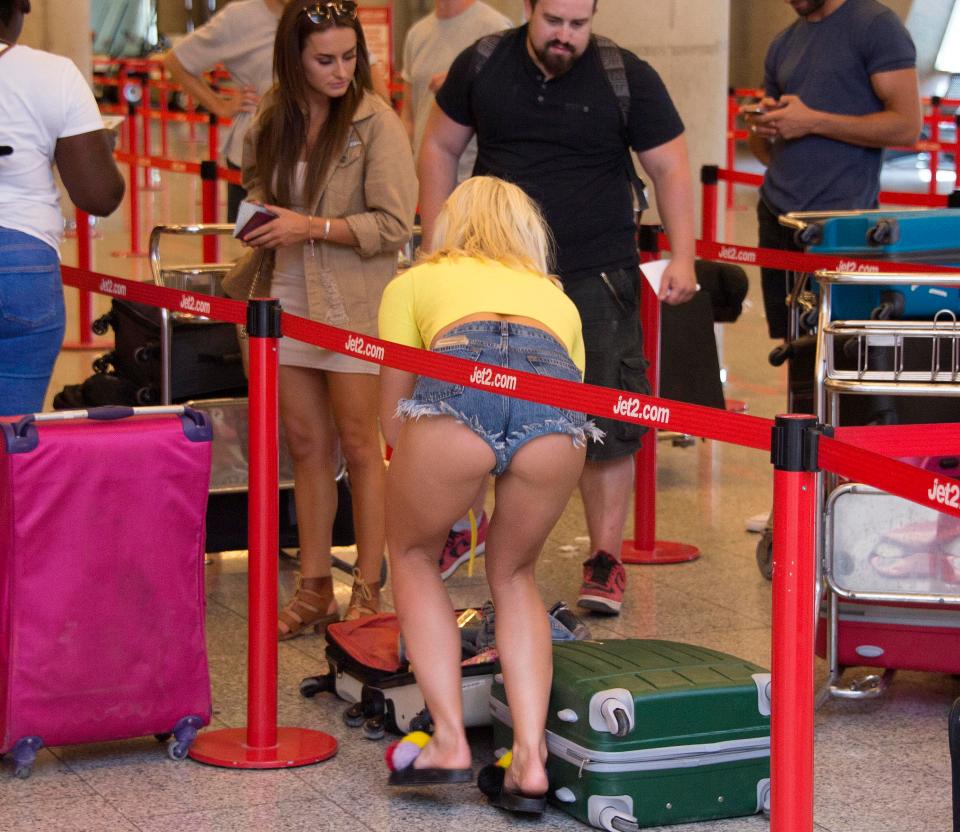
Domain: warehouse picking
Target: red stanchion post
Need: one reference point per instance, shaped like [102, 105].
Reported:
[208, 175]
[145, 124]
[213, 138]
[709, 177]
[164, 93]
[732, 112]
[935, 138]
[84, 298]
[645, 548]
[262, 745]
[133, 188]
[793, 454]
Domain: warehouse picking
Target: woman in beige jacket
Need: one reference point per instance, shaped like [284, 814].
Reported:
[331, 160]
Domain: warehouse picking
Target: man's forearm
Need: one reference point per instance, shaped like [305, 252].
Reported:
[437, 170]
[675, 204]
[884, 129]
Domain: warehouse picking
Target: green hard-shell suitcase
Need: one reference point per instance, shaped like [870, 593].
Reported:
[648, 733]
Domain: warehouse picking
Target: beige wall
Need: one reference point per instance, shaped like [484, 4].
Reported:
[62, 27]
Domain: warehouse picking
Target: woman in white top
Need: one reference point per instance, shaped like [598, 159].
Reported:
[47, 115]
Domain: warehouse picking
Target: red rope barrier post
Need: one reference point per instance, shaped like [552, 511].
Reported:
[733, 110]
[208, 173]
[164, 93]
[213, 138]
[262, 745]
[145, 125]
[794, 456]
[133, 187]
[709, 177]
[84, 298]
[644, 548]
[935, 139]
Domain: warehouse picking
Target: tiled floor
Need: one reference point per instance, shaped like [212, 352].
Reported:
[880, 765]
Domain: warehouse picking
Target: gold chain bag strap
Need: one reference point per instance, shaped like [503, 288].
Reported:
[242, 280]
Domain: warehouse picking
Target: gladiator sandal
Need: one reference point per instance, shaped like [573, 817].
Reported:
[365, 599]
[308, 608]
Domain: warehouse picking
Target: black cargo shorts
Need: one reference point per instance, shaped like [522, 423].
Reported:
[609, 301]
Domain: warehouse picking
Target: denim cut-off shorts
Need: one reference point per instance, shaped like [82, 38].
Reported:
[505, 423]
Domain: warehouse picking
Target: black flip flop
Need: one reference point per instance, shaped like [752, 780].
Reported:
[490, 781]
[411, 776]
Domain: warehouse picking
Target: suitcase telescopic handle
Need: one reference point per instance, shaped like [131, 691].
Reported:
[199, 428]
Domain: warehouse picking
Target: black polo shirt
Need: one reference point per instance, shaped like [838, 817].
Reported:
[563, 141]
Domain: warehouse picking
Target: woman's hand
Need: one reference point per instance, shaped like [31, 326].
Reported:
[289, 228]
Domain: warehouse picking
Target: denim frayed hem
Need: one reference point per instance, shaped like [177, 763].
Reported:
[413, 409]
[503, 450]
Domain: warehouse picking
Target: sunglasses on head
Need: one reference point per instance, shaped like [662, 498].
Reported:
[335, 10]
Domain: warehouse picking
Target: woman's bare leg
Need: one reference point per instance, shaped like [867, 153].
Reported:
[355, 403]
[312, 441]
[434, 474]
[530, 497]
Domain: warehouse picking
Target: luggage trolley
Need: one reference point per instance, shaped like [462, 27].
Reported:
[890, 569]
[226, 526]
[915, 235]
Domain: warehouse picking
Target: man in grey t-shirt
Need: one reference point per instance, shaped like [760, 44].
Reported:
[428, 50]
[840, 84]
[240, 36]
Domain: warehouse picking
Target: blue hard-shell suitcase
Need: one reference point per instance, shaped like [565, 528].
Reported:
[912, 236]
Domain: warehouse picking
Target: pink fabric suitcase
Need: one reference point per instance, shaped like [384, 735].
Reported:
[101, 578]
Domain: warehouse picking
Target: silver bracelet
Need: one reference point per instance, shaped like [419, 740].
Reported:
[326, 229]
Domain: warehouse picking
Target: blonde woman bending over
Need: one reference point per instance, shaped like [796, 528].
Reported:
[485, 296]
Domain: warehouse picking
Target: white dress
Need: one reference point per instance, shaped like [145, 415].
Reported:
[289, 285]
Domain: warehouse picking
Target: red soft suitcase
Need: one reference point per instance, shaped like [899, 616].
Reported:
[101, 578]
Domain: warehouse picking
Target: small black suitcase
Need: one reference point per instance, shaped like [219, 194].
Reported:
[205, 355]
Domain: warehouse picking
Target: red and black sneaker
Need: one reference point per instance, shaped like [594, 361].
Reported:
[604, 581]
[456, 551]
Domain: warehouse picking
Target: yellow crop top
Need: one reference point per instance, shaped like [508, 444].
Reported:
[419, 303]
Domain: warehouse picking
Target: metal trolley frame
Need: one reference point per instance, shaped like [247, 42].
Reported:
[942, 335]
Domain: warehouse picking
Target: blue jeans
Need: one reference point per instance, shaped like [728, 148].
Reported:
[506, 424]
[32, 320]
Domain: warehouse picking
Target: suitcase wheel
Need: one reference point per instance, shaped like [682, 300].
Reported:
[354, 716]
[24, 752]
[374, 728]
[624, 825]
[765, 554]
[422, 722]
[163, 737]
[313, 685]
[177, 750]
[184, 733]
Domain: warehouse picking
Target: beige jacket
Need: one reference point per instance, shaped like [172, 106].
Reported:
[373, 186]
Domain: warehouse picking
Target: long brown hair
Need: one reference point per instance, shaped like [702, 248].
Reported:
[283, 122]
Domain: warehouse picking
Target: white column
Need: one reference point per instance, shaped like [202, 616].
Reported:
[687, 42]
[61, 27]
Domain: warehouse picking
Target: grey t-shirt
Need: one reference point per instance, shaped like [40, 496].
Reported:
[240, 36]
[828, 64]
[430, 47]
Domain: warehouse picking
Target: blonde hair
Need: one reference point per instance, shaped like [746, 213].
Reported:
[490, 219]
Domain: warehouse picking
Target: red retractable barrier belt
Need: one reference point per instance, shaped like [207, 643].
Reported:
[888, 197]
[849, 461]
[156, 162]
[750, 431]
[904, 440]
[223, 309]
[890, 475]
[799, 262]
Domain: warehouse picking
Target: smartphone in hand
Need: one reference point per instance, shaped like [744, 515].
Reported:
[250, 216]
